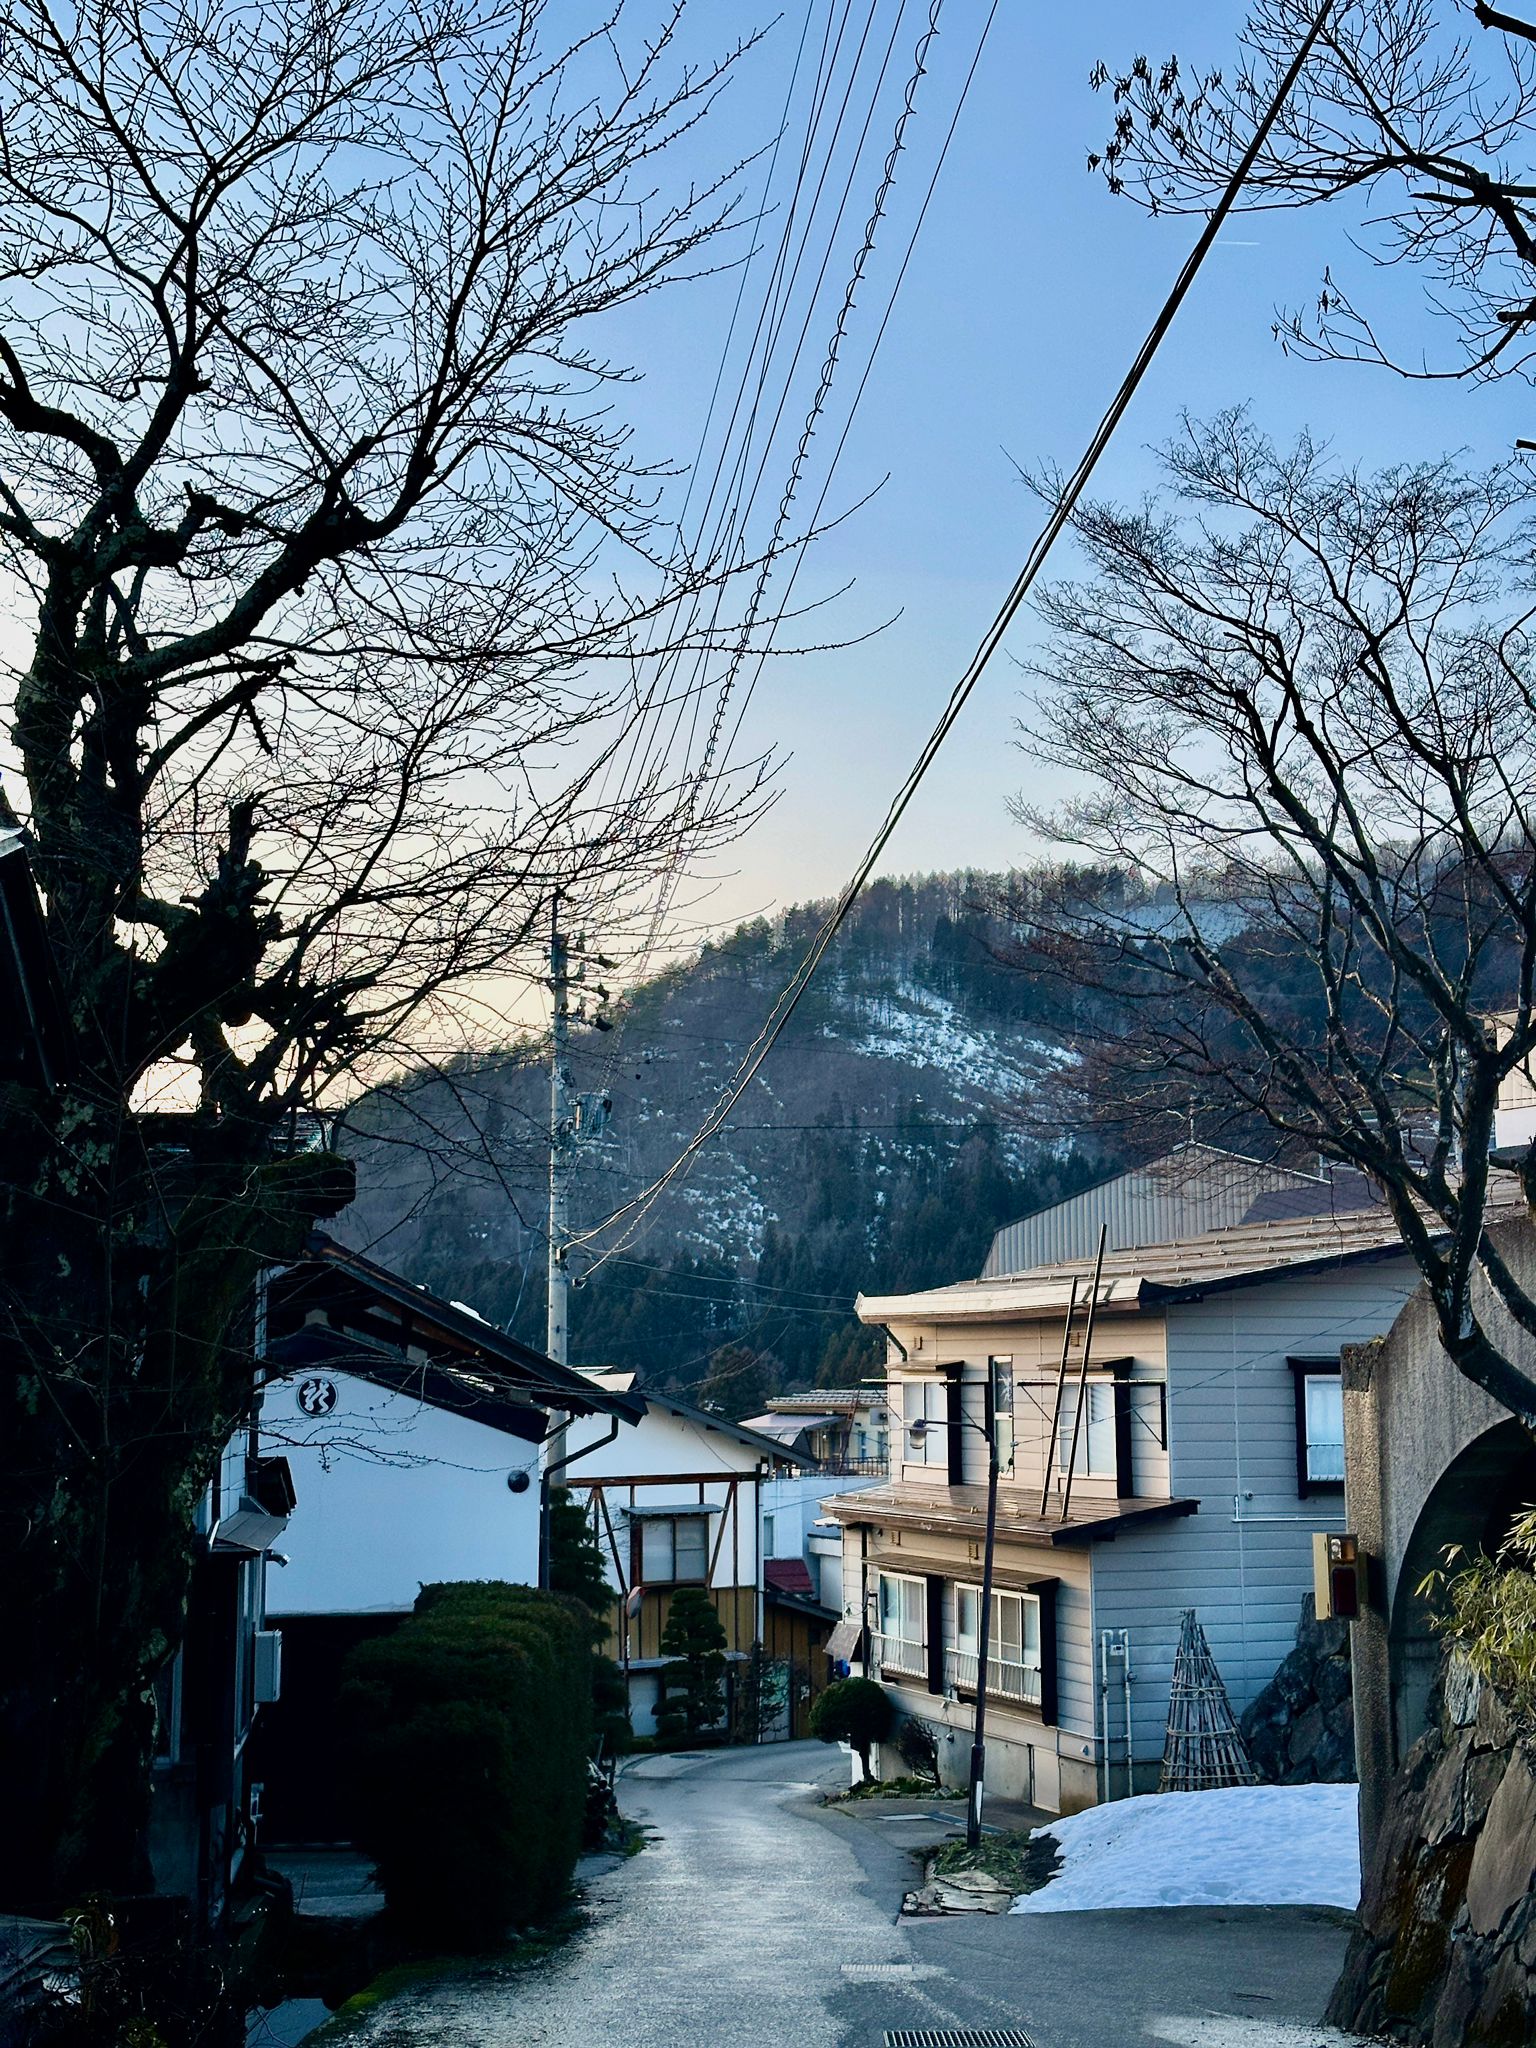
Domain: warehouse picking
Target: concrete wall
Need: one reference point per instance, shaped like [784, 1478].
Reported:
[1430, 1460]
[394, 1495]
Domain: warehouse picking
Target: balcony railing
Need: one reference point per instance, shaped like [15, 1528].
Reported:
[838, 1465]
[1006, 1680]
[901, 1654]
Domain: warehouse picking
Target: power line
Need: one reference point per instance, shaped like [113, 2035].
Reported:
[1056, 522]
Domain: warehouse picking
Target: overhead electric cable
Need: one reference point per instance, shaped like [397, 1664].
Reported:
[1061, 512]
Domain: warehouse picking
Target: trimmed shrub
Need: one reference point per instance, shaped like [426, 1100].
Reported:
[472, 1724]
[855, 1711]
[693, 1683]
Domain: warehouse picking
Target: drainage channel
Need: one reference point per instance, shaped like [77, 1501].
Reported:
[958, 2037]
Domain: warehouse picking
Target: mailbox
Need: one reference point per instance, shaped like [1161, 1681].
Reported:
[1338, 1577]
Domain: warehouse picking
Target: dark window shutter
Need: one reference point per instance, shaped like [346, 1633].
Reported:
[1045, 1591]
[935, 1633]
[955, 1412]
[1125, 1483]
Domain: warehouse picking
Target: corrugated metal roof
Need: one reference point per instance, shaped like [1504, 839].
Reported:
[1192, 1190]
[1150, 1274]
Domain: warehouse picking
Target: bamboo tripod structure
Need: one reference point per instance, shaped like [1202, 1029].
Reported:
[1204, 1748]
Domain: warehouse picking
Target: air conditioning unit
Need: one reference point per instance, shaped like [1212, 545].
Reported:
[267, 1665]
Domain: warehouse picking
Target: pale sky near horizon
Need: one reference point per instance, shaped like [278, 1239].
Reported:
[1029, 291]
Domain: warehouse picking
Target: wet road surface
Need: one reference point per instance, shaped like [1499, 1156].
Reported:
[756, 1918]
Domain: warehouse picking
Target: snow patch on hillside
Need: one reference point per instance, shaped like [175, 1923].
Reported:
[919, 1027]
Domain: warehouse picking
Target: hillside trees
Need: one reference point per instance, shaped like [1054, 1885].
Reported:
[319, 503]
[1302, 701]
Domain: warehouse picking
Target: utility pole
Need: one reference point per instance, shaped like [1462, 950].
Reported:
[562, 1140]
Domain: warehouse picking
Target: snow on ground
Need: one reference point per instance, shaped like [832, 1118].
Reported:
[1247, 1845]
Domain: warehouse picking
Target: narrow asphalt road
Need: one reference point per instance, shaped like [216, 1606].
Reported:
[757, 1918]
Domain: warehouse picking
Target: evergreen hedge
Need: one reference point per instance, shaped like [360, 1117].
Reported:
[472, 1725]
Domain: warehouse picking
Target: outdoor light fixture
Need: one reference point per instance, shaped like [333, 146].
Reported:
[917, 1431]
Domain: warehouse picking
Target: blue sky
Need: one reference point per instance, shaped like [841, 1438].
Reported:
[1028, 293]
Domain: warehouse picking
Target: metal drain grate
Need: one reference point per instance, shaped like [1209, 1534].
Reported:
[859, 1971]
[959, 2037]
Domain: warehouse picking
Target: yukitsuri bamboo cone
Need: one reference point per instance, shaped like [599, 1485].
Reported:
[1203, 1748]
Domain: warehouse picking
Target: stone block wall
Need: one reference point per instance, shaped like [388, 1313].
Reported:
[1301, 1728]
[1445, 1954]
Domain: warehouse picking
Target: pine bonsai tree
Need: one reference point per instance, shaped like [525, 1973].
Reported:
[855, 1711]
[693, 1683]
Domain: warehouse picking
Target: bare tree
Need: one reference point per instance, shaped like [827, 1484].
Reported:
[317, 492]
[1296, 705]
[1424, 129]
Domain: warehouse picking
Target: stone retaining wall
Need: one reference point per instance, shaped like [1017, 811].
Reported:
[1446, 1950]
[1301, 1728]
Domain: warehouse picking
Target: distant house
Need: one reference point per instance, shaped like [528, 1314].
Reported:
[679, 1501]
[411, 1430]
[1210, 1446]
[846, 1432]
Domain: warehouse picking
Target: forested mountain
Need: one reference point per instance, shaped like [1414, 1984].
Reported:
[884, 1141]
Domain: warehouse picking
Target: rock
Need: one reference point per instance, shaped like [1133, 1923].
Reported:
[1444, 1955]
[1463, 1690]
[973, 1891]
[1505, 1857]
[1301, 1728]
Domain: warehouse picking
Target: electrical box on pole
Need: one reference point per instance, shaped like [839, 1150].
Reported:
[1338, 1577]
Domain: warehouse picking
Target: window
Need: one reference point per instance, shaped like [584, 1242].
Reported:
[768, 1550]
[1002, 1410]
[903, 1625]
[674, 1549]
[1319, 1425]
[1013, 1650]
[1096, 1439]
[926, 1401]
[1323, 1410]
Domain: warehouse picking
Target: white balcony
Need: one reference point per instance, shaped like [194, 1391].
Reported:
[1006, 1680]
[900, 1654]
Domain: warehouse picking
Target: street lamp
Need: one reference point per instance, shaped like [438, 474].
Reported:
[917, 1432]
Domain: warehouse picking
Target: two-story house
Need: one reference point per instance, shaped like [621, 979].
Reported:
[678, 1501]
[845, 1435]
[1208, 1449]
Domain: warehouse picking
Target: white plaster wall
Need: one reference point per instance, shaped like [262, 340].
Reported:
[670, 1460]
[394, 1495]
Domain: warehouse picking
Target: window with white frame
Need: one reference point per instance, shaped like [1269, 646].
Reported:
[674, 1550]
[1013, 1648]
[1323, 1410]
[926, 1401]
[903, 1624]
[1096, 1438]
[1002, 1410]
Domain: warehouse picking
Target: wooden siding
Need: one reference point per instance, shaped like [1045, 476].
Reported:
[1244, 1561]
[799, 1640]
[735, 1605]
